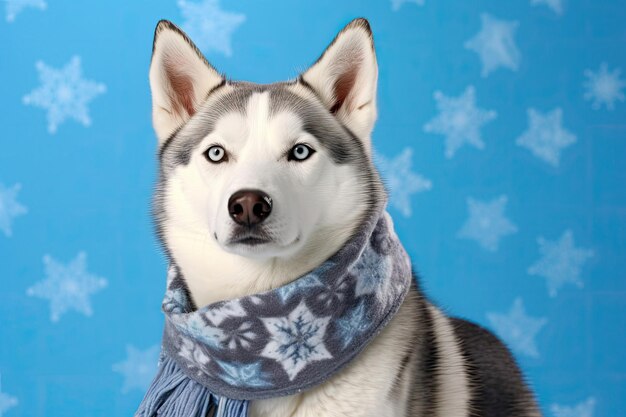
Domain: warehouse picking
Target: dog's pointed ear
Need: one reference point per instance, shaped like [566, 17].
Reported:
[180, 79]
[345, 78]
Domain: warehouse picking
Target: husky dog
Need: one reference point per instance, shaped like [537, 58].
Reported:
[259, 184]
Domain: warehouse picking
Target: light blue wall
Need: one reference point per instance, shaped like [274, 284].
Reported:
[87, 188]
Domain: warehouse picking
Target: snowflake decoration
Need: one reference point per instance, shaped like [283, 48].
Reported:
[195, 327]
[6, 401]
[174, 300]
[14, 7]
[209, 26]
[459, 120]
[192, 352]
[495, 44]
[138, 368]
[242, 336]
[334, 293]
[64, 93]
[244, 375]
[176, 297]
[401, 180]
[299, 286]
[352, 324]
[372, 273]
[561, 262]
[397, 4]
[545, 136]
[9, 207]
[256, 300]
[604, 87]
[227, 309]
[583, 409]
[517, 329]
[486, 223]
[296, 340]
[555, 5]
[68, 287]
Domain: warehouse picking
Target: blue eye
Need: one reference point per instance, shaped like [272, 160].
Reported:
[215, 154]
[300, 152]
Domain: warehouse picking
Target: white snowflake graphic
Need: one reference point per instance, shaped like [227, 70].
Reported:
[68, 287]
[138, 368]
[14, 7]
[517, 329]
[335, 292]
[555, 5]
[583, 409]
[64, 93]
[209, 26]
[296, 340]
[545, 136]
[175, 300]
[244, 375]
[495, 44]
[353, 324]
[192, 352]
[242, 336]
[459, 120]
[256, 300]
[486, 223]
[9, 207]
[604, 87]
[6, 401]
[372, 273]
[231, 308]
[397, 4]
[560, 263]
[195, 327]
[402, 182]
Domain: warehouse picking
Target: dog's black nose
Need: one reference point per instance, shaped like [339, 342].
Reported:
[249, 207]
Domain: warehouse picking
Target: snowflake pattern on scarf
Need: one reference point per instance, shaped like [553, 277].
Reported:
[296, 340]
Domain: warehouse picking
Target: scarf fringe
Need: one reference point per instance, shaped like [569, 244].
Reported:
[173, 394]
[228, 407]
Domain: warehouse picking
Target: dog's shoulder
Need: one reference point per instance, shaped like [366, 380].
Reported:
[497, 384]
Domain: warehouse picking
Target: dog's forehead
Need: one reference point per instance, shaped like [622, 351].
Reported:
[268, 101]
[257, 115]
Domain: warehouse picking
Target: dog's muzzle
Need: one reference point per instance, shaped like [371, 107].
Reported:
[249, 207]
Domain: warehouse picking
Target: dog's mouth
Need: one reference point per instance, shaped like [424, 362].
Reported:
[250, 241]
[249, 238]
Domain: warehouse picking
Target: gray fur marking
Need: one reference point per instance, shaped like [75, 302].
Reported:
[498, 386]
[342, 145]
[178, 148]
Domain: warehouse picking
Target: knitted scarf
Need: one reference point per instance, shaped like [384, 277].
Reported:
[217, 358]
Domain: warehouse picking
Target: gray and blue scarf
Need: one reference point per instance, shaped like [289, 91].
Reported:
[280, 342]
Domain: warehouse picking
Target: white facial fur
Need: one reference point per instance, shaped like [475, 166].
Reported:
[306, 219]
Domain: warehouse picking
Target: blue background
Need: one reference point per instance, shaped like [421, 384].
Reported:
[89, 188]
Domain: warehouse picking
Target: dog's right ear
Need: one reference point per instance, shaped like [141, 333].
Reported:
[345, 78]
[180, 79]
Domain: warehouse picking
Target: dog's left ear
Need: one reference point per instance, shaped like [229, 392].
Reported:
[345, 78]
[180, 79]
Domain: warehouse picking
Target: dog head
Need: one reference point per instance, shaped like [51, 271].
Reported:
[262, 171]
